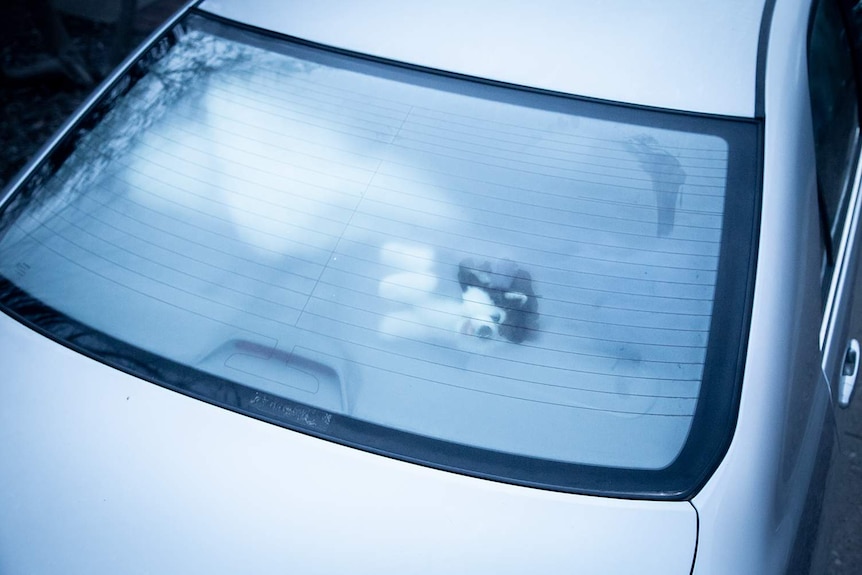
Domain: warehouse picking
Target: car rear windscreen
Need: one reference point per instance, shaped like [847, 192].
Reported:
[481, 277]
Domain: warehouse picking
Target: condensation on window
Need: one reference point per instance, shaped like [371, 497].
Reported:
[465, 268]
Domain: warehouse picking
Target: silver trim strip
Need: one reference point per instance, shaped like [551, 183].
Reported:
[844, 257]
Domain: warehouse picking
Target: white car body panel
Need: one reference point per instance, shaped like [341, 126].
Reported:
[695, 56]
[164, 483]
[759, 491]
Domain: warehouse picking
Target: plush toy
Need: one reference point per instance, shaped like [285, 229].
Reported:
[496, 299]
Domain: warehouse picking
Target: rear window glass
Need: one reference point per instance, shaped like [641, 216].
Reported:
[450, 271]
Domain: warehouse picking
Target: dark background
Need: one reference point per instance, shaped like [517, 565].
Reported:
[51, 60]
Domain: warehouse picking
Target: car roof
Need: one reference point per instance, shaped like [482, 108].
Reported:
[678, 54]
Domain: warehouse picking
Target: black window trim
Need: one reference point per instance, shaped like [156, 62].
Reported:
[833, 231]
[837, 242]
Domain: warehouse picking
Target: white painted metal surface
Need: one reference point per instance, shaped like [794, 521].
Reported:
[145, 480]
[755, 501]
[696, 56]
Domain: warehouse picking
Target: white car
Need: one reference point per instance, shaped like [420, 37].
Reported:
[440, 287]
